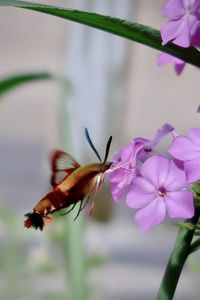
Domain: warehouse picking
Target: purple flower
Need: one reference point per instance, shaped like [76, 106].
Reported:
[195, 40]
[122, 176]
[159, 191]
[164, 58]
[184, 21]
[126, 160]
[187, 149]
[150, 144]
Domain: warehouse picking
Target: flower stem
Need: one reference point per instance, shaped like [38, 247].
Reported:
[75, 254]
[176, 261]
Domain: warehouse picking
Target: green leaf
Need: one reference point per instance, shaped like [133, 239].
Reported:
[8, 83]
[195, 246]
[188, 225]
[132, 31]
[196, 189]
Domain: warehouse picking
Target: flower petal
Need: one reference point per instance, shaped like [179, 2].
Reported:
[164, 58]
[141, 193]
[176, 178]
[171, 31]
[180, 204]
[194, 135]
[117, 192]
[155, 169]
[122, 155]
[183, 148]
[151, 215]
[192, 169]
[118, 187]
[118, 175]
[195, 40]
[161, 132]
[183, 33]
[127, 152]
[174, 9]
[179, 68]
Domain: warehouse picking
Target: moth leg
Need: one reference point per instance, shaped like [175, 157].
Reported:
[93, 205]
[81, 207]
[86, 201]
[69, 209]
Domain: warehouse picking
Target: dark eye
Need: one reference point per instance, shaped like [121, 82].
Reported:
[103, 168]
[106, 166]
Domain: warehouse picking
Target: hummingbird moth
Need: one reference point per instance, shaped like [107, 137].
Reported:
[72, 184]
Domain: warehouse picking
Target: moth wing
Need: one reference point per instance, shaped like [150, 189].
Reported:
[62, 165]
[91, 197]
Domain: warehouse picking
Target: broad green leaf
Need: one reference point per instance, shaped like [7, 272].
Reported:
[8, 83]
[132, 31]
[195, 246]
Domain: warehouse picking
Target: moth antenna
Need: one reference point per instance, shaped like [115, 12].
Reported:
[107, 149]
[91, 144]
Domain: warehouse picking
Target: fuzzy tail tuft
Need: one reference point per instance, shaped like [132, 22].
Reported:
[34, 220]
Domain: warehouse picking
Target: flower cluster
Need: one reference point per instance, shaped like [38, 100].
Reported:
[182, 29]
[157, 184]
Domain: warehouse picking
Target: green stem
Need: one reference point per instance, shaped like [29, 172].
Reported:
[176, 261]
[75, 255]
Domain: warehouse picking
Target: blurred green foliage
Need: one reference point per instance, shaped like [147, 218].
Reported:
[9, 83]
[34, 264]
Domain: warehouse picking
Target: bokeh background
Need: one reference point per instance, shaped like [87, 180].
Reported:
[114, 87]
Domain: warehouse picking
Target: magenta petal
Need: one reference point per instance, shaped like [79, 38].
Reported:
[183, 34]
[194, 135]
[174, 9]
[180, 204]
[183, 148]
[151, 215]
[193, 24]
[192, 169]
[117, 192]
[122, 155]
[155, 170]
[120, 183]
[163, 131]
[127, 152]
[195, 40]
[170, 31]
[176, 178]
[179, 68]
[141, 193]
[164, 58]
[118, 175]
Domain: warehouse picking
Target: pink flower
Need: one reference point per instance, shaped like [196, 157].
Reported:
[184, 21]
[187, 149]
[122, 176]
[149, 145]
[164, 58]
[159, 191]
[126, 160]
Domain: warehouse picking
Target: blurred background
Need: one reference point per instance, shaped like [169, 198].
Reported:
[112, 86]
